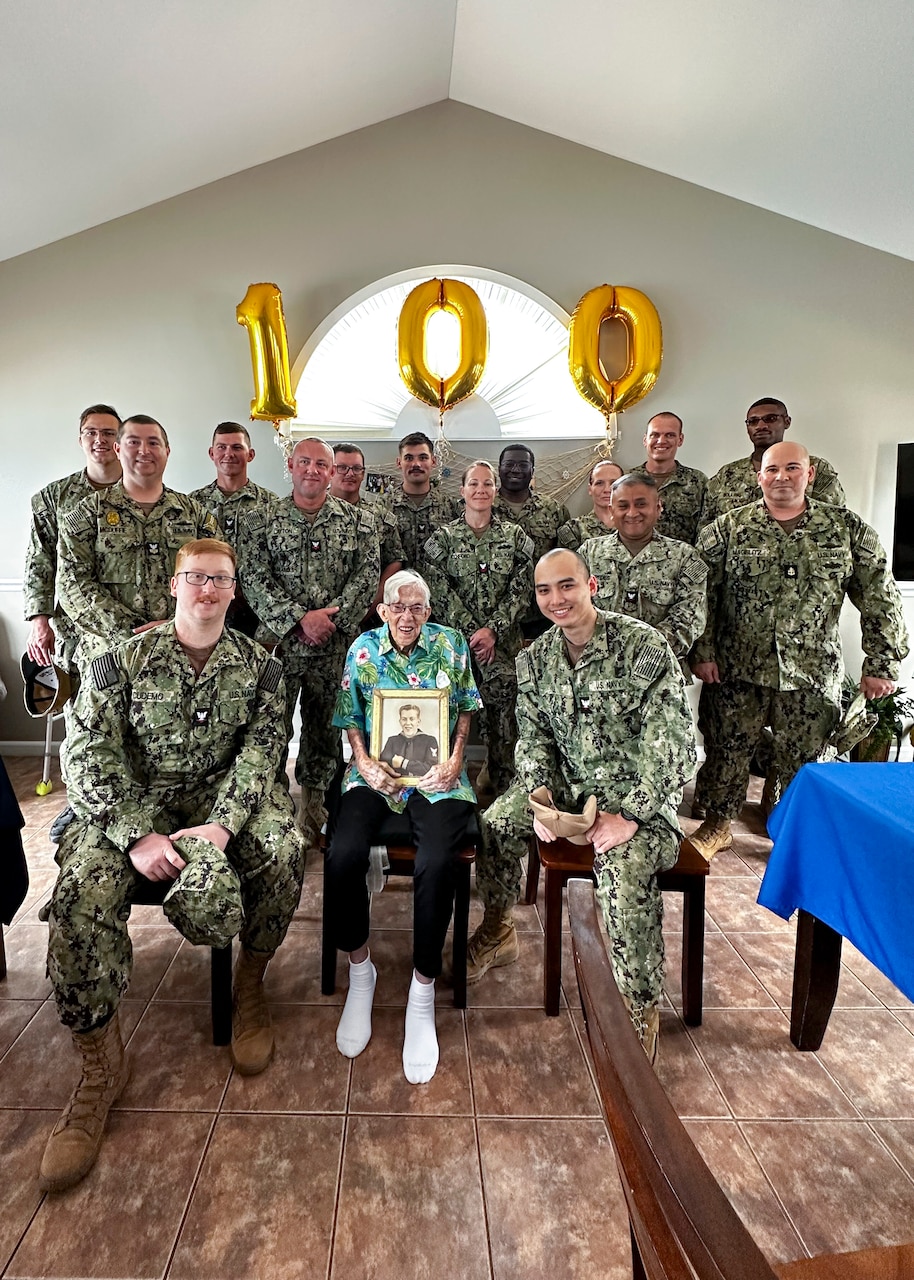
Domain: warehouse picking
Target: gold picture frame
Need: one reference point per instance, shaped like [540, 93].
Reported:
[427, 719]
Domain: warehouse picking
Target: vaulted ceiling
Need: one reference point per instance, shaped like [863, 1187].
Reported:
[803, 107]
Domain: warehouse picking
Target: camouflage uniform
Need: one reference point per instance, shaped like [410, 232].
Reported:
[774, 601]
[664, 585]
[417, 522]
[235, 515]
[580, 528]
[682, 493]
[486, 581]
[48, 509]
[540, 518]
[616, 726]
[302, 565]
[155, 748]
[388, 532]
[115, 563]
[736, 484]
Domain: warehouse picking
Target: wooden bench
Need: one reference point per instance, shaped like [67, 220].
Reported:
[683, 1227]
[561, 860]
[396, 834]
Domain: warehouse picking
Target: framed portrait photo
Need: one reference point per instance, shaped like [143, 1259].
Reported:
[409, 730]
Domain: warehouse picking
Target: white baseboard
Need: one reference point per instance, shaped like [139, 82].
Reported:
[27, 748]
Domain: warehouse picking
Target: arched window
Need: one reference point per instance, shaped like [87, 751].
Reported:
[349, 385]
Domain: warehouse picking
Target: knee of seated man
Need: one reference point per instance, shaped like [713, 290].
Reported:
[94, 873]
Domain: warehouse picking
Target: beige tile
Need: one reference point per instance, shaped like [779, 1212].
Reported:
[525, 1064]
[186, 977]
[840, 1187]
[122, 1219]
[310, 904]
[554, 1202]
[154, 951]
[23, 1135]
[40, 1069]
[731, 903]
[771, 958]
[898, 1136]
[515, 985]
[26, 946]
[877, 982]
[263, 1205]
[411, 1200]
[307, 1072]
[872, 1057]
[294, 975]
[760, 1073]
[378, 1083]
[175, 1065]
[687, 1081]
[733, 1163]
[728, 983]
[15, 1015]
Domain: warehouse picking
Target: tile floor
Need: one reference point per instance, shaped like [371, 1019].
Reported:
[500, 1168]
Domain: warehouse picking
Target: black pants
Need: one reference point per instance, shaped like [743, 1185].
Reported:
[438, 831]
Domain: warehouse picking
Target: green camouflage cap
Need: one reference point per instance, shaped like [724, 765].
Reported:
[856, 723]
[204, 903]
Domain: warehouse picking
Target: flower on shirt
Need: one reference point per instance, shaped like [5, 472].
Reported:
[413, 679]
[346, 681]
[362, 657]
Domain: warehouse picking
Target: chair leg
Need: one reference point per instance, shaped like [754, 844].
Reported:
[461, 929]
[2, 955]
[221, 993]
[533, 873]
[552, 960]
[328, 953]
[693, 951]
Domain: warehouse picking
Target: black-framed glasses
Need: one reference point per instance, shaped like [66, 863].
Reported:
[346, 470]
[93, 433]
[194, 578]
[769, 419]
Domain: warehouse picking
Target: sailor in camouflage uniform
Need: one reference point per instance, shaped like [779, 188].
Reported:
[646, 576]
[175, 776]
[419, 504]
[313, 576]
[233, 501]
[780, 569]
[736, 483]
[601, 712]
[348, 474]
[599, 521]
[98, 427]
[117, 548]
[480, 572]
[538, 516]
[682, 489]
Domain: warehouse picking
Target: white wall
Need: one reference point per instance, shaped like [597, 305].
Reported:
[141, 312]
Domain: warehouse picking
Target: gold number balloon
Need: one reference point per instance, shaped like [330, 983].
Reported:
[463, 302]
[645, 347]
[260, 311]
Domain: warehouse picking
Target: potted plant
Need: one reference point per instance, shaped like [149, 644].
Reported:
[895, 713]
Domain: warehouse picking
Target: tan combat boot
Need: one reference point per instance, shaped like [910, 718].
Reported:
[712, 836]
[75, 1140]
[646, 1022]
[311, 818]
[493, 945]
[252, 1027]
[771, 793]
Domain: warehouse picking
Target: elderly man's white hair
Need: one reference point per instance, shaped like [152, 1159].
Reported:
[405, 578]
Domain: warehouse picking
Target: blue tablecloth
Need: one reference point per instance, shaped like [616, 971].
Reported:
[844, 851]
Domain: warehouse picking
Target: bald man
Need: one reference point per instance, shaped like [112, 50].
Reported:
[779, 570]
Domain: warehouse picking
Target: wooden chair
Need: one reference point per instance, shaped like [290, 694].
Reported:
[396, 833]
[2, 955]
[562, 860]
[683, 1227]
[151, 893]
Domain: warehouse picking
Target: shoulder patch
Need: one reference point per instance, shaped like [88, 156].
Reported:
[649, 662]
[710, 537]
[270, 675]
[695, 570]
[528, 544]
[869, 542]
[434, 549]
[524, 674]
[104, 671]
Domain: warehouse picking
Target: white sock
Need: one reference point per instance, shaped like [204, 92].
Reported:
[354, 1030]
[420, 1042]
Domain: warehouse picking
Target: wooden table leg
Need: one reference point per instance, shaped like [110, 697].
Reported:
[816, 969]
[552, 942]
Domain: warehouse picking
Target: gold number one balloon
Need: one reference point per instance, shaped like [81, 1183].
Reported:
[260, 311]
[645, 347]
[463, 302]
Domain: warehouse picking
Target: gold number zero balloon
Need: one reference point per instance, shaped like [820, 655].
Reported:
[645, 346]
[260, 311]
[464, 303]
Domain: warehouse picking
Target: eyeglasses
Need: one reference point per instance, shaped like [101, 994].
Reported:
[768, 418]
[416, 610]
[346, 470]
[92, 433]
[194, 578]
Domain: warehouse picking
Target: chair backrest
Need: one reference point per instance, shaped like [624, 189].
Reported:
[683, 1226]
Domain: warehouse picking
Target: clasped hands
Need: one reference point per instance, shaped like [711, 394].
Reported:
[317, 626]
[608, 831]
[156, 857]
[382, 777]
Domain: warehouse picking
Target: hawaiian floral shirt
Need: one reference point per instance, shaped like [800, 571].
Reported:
[440, 660]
